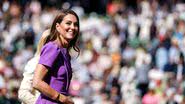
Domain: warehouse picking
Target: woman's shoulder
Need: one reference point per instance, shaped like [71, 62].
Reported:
[51, 45]
[50, 50]
[54, 46]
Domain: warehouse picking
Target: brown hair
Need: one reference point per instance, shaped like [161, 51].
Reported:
[54, 34]
[42, 41]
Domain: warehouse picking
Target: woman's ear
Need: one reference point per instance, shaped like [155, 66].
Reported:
[58, 27]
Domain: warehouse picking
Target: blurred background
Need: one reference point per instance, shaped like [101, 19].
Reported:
[132, 51]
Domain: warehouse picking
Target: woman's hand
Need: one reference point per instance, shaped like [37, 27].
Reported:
[65, 99]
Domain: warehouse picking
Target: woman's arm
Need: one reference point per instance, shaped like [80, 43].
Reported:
[39, 84]
[44, 88]
[47, 59]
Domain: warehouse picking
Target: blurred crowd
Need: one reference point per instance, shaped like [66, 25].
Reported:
[131, 52]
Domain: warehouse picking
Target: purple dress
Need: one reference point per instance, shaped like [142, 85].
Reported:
[57, 61]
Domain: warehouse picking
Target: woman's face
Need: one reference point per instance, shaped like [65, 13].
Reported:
[68, 28]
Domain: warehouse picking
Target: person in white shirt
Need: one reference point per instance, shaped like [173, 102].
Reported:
[27, 94]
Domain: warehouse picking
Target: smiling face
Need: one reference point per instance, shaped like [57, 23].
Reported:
[68, 28]
[65, 29]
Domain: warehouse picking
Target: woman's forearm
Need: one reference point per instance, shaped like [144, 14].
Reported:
[41, 85]
[45, 89]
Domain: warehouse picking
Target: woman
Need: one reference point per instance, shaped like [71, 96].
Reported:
[26, 93]
[53, 72]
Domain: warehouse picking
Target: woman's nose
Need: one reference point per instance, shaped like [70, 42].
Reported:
[72, 26]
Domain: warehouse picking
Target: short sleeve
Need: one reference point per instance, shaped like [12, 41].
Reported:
[49, 54]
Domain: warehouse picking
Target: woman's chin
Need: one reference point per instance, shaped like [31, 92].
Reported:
[69, 37]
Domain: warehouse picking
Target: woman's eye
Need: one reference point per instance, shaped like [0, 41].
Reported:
[76, 24]
[68, 23]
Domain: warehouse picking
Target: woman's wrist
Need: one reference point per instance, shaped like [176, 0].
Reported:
[62, 98]
[58, 97]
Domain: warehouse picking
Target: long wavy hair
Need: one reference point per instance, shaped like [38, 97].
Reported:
[42, 41]
[54, 34]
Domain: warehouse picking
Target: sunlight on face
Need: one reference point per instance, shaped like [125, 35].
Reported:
[69, 27]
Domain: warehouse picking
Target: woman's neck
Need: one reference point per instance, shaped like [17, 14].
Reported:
[62, 43]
